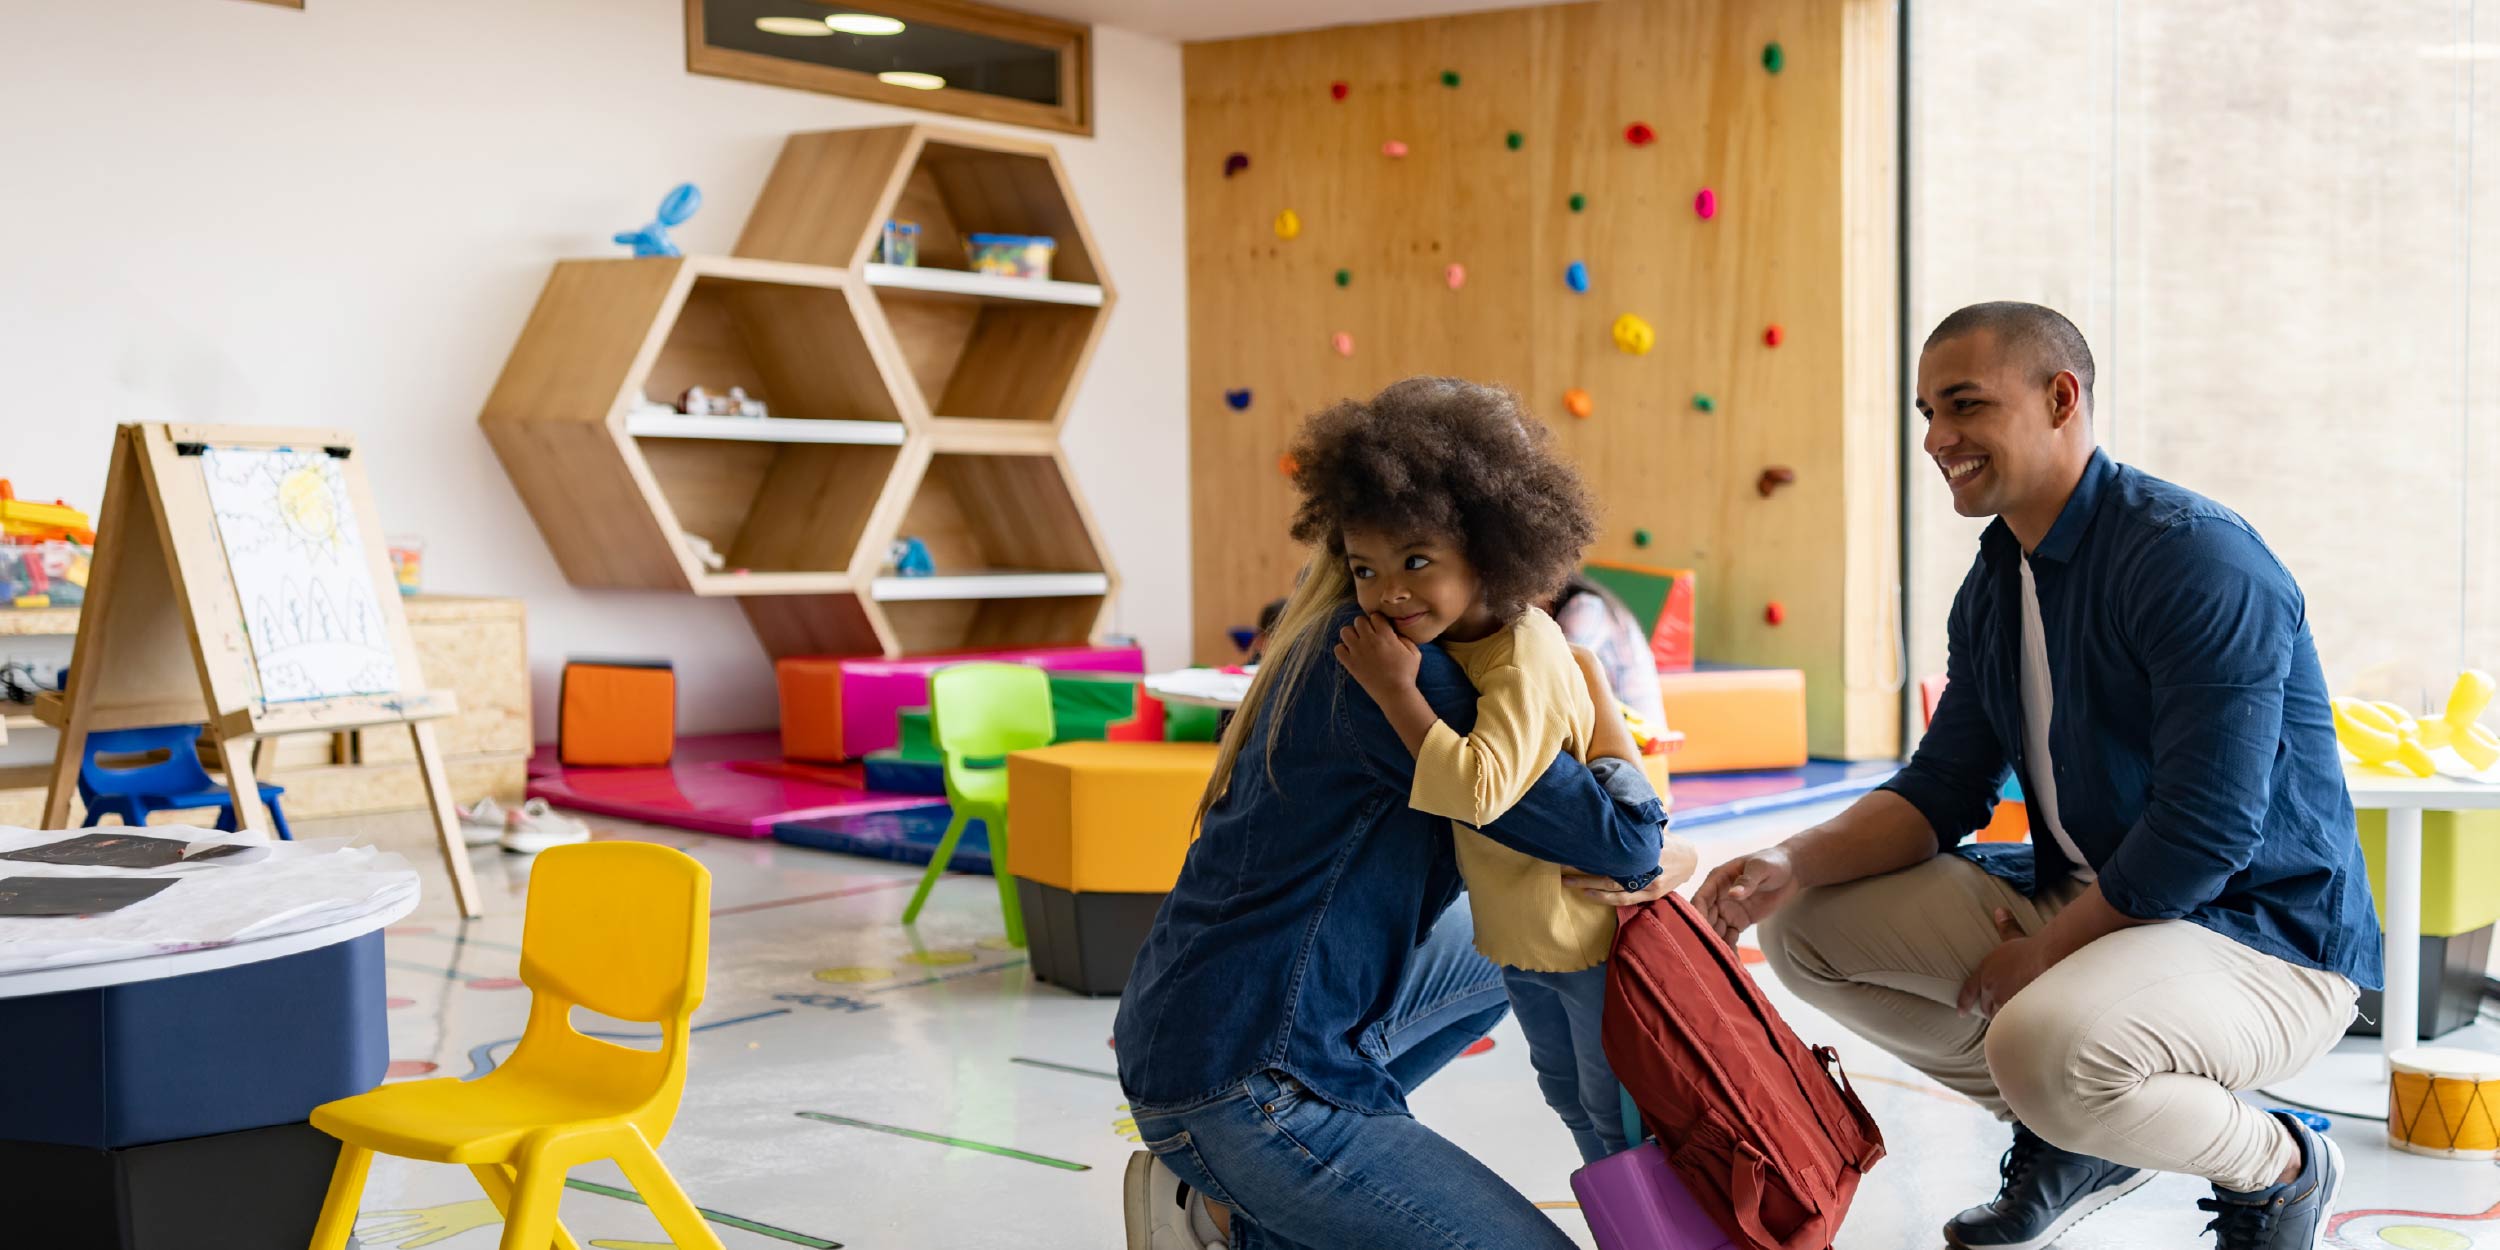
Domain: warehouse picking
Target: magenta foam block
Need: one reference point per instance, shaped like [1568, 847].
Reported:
[709, 788]
[1634, 1201]
[875, 692]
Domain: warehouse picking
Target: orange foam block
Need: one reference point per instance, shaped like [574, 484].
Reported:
[1105, 817]
[617, 714]
[1736, 718]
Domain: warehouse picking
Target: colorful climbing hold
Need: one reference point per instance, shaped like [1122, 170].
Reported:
[1236, 163]
[1288, 224]
[1773, 58]
[1639, 135]
[1774, 612]
[1578, 404]
[1455, 275]
[1703, 403]
[1634, 336]
[1640, 538]
[1773, 336]
[1345, 277]
[1773, 478]
[1343, 342]
[1239, 400]
[1576, 276]
[1577, 201]
[1513, 140]
[1287, 465]
[1706, 204]
[1449, 78]
[1337, 90]
[1393, 149]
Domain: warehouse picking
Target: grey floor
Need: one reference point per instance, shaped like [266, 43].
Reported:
[857, 1084]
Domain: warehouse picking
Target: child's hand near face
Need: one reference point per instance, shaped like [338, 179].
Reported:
[1384, 663]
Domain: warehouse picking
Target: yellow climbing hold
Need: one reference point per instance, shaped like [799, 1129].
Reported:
[1288, 224]
[1634, 335]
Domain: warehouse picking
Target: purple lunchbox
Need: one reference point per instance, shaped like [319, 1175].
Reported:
[1634, 1201]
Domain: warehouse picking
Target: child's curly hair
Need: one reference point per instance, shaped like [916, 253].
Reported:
[1453, 458]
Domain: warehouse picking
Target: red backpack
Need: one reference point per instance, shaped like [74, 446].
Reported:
[1750, 1117]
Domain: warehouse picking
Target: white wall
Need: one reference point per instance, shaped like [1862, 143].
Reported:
[214, 210]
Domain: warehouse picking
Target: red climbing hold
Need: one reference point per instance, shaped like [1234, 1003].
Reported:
[1773, 336]
[1337, 90]
[1774, 612]
[1773, 478]
[1639, 135]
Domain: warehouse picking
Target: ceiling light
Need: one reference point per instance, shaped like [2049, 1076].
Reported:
[800, 26]
[913, 79]
[864, 24]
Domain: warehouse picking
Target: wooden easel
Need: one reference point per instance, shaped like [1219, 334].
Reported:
[162, 638]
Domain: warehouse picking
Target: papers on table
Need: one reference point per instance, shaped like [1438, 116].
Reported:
[206, 889]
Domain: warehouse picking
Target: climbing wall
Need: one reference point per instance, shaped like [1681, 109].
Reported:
[1668, 224]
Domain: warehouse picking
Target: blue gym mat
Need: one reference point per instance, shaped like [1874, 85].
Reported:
[1710, 798]
[908, 836]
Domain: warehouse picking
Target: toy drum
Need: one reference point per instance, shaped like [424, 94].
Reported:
[2444, 1101]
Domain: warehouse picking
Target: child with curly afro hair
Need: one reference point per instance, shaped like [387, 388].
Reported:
[1443, 508]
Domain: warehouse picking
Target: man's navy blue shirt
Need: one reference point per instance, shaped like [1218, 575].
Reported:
[2190, 735]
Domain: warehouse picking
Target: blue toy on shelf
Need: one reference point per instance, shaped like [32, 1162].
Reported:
[910, 557]
[675, 207]
[175, 783]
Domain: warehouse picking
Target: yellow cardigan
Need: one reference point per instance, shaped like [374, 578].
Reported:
[1531, 705]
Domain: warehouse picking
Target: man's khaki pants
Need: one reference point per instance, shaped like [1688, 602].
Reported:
[2129, 1050]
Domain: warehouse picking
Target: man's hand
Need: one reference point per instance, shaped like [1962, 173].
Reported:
[1676, 861]
[2006, 970]
[1379, 657]
[1744, 892]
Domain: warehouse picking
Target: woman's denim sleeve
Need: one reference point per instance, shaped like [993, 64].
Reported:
[1569, 816]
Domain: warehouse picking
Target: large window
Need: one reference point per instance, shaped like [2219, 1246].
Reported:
[2278, 222]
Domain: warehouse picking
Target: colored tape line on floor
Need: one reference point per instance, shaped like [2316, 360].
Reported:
[1007, 1152]
[725, 1221]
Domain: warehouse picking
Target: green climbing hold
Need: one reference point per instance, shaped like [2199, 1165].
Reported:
[1513, 140]
[1449, 78]
[1704, 403]
[1773, 58]
[1578, 201]
[1345, 277]
[1640, 538]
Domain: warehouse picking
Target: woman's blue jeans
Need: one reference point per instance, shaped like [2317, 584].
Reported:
[1300, 1172]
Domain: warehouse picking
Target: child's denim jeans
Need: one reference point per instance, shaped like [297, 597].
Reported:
[1561, 1013]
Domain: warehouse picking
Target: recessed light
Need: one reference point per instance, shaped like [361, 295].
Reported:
[864, 24]
[913, 79]
[800, 26]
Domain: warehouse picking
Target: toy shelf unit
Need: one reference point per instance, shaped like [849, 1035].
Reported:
[617, 486]
[916, 401]
[980, 346]
[1017, 560]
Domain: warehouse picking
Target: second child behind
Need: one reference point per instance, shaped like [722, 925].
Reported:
[1453, 515]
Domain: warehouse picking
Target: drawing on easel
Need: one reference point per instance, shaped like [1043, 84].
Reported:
[300, 571]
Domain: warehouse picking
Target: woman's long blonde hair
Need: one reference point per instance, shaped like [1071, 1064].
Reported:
[1298, 640]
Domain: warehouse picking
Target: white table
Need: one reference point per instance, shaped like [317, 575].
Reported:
[204, 959]
[2404, 799]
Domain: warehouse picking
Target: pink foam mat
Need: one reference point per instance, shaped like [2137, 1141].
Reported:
[703, 789]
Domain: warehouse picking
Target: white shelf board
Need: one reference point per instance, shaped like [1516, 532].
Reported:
[987, 586]
[764, 429]
[781, 582]
[983, 285]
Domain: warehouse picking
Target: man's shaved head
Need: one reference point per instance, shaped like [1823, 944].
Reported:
[2041, 336]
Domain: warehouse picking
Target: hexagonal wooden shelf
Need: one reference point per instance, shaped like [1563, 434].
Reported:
[805, 504]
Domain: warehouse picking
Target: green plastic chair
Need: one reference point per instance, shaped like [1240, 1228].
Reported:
[978, 713]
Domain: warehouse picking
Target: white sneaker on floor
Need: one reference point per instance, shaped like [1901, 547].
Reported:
[535, 827]
[482, 822]
[1159, 1210]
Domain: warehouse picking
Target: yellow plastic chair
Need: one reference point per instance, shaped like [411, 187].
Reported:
[982, 712]
[622, 928]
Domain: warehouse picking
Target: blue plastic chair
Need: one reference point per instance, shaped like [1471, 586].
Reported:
[176, 783]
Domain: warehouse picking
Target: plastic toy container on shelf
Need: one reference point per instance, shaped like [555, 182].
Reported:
[1010, 255]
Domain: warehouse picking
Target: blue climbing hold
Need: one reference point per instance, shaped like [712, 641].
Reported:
[1238, 399]
[1577, 276]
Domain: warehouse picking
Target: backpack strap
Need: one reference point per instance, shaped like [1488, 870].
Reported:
[1746, 1191]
